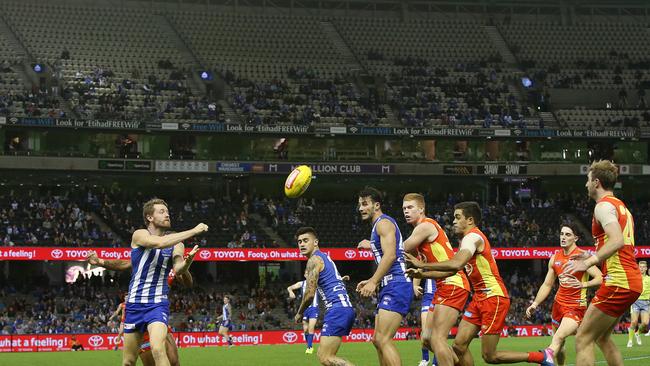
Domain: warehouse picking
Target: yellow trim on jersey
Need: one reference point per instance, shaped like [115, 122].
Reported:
[441, 255]
[616, 275]
[645, 295]
[583, 291]
[489, 280]
[439, 252]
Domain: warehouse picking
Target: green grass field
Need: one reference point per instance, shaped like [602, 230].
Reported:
[361, 354]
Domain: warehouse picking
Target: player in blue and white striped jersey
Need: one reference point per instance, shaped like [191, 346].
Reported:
[153, 255]
[322, 275]
[310, 317]
[225, 327]
[395, 287]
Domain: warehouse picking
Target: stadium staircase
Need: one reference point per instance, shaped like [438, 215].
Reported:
[24, 63]
[17, 46]
[549, 119]
[500, 44]
[342, 47]
[230, 113]
[99, 220]
[196, 66]
[261, 224]
[191, 61]
[390, 115]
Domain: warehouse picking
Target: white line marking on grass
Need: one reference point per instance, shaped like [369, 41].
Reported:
[625, 359]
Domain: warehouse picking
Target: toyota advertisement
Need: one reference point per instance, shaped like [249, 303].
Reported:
[63, 342]
[255, 255]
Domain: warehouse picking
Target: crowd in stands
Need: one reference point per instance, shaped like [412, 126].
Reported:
[303, 98]
[516, 223]
[253, 309]
[465, 96]
[34, 104]
[462, 82]
[227, 216]
[67, 219]
[101, 94]
[36, 309]
[81, 307]
[52, 220]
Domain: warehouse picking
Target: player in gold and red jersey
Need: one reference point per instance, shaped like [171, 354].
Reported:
[613, 232]
[430, 240]
[490, 302]
[571, 298]
[121, 313]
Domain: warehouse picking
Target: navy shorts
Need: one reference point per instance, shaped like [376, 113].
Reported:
[338, 322]
[139, 316]
[396, 297]
[310, 313]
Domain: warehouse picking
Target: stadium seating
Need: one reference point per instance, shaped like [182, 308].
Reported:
[281, 69]
[289, 70]
[570, 57]
[34, 309]
[510, 225]
[581, 118]
[436, 70]
[49, 221]
[259, 47]
[549, 43]
[444, 43]
[118, 64]
[243, 222]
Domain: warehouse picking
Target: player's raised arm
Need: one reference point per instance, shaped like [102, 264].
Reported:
[292, 288]
[143, 238]
[110, 264]
[314, 266]
[419, 235]
[545, 289]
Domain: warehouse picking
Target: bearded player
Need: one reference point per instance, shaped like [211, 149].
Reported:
[430, 240]
[153, 254]
[184, 279]
[571, 298]
[613, 231]
[488, 309]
